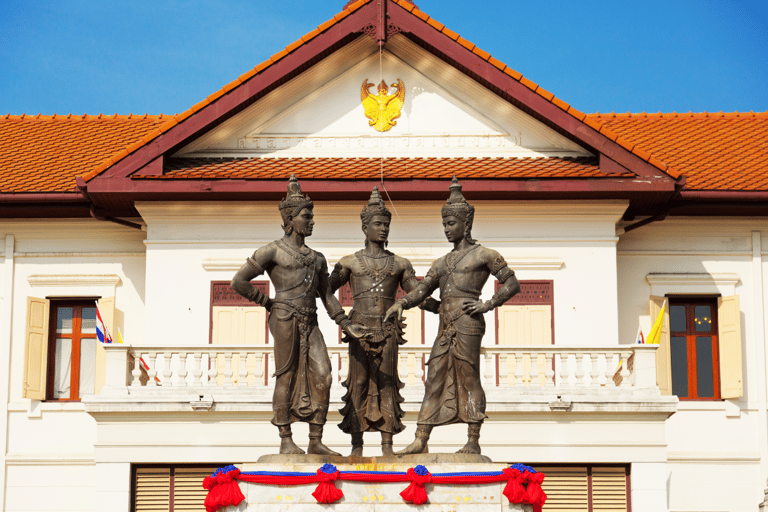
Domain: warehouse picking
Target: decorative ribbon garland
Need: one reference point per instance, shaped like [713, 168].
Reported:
[523, 483]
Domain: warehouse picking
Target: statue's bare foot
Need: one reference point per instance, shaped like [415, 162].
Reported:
[417, 446]
[470, 447]
[316, 447]
[386, 450]
[357, 451]
[287, 446]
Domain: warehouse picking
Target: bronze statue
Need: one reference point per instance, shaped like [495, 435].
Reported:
[303, 369]
[453, 392]
[372, 401]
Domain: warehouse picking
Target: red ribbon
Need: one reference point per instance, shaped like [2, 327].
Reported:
[326, 491]
[415, 492]
[223, 491]
[514, 490]
[534, 494]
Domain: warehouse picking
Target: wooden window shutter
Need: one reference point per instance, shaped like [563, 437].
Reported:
[188, 491]
[729, 339]
[609, 489]
[107, 310]
[663, 356]
[36, 348]
[567, 489]
[152, 490]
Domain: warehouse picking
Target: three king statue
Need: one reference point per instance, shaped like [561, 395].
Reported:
[374, 329]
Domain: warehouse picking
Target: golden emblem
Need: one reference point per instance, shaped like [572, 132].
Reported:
[381, 109]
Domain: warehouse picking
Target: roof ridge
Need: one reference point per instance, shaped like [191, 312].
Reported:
[82, 117]
[735, 113]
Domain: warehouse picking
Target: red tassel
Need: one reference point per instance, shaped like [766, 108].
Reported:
[326, 491]
[535, 495]
[514, 489]
[223, 491]
[415, 492]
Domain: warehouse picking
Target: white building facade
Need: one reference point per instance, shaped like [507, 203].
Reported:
[598, 230]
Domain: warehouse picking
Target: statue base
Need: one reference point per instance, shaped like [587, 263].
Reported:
[370, 497]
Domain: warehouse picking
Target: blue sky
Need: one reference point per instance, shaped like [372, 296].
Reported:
[89, 56]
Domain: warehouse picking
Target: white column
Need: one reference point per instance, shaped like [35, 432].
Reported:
[5, 354]
[649, 487]
[761, 356]
[113, 486]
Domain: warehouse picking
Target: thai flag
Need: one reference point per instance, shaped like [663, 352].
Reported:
[101, 329]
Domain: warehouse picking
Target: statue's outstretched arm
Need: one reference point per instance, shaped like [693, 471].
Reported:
[339, 277]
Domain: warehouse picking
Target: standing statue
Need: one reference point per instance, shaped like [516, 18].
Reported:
[453, 392]
[372, 401]
[303, 369]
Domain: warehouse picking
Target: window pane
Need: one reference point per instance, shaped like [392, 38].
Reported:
[64, 320]
[676, 318]
[703, 318]
[63, 367]
[679, 363]
[87, 366]
[89, 321]
[705, 380]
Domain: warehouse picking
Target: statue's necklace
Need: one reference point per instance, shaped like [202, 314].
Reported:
[305, 259]
[378, 275]
[454, 257]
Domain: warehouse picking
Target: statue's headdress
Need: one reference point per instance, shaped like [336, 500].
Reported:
[457, 206]
[374, 207]
[293, 203]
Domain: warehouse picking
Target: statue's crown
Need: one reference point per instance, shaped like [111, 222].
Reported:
[374, 207]
[456, 205]
[295, 200]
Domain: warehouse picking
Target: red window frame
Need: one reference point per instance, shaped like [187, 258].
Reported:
[690, 335]
[76, 336]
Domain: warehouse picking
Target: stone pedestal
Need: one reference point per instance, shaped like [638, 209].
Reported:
[380, 497]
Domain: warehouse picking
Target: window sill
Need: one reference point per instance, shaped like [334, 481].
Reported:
[729, 408]
[35, 408]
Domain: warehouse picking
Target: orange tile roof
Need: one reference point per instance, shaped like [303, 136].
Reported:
[370, 168]
[411, 8]
[715, 151]
[46, 153]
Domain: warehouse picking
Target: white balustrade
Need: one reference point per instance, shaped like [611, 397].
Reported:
[502, 366]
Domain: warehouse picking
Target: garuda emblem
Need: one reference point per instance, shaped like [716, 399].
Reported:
[382, 109]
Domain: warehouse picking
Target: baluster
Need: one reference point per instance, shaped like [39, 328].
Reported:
[624, 369]
[344, 370]
[243, 373]
[418, 370]
[213, 368]
[167, 370]
[610, 370]
[402, 371]
[564, 357]
[504, 379]
[197, 373]
[594, 374]
[259, 371]
[489, 382]
[580, 380]
[152, 372]
[228, 369]
[136, 372]
[549, 370]
[535, 369]
[519, 372]
[182, 373]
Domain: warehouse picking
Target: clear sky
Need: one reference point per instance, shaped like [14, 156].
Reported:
[137, 56]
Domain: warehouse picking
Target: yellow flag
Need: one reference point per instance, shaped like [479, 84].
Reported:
[654, 337]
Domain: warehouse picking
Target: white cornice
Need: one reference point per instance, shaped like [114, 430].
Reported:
[698, 283]
[80, 280]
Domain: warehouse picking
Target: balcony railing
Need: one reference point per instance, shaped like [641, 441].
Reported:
[529, 369]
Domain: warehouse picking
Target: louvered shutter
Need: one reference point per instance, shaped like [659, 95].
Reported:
[663, 356]
[107, 310]
[609, 489]
[729, 341]
[567, 489]
[36, 349]
[188, 492]
[153, 489]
